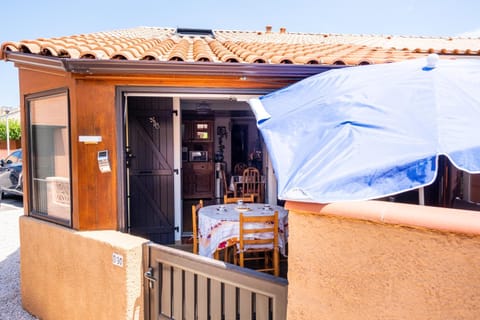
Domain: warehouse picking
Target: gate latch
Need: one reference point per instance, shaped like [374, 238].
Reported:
[149, 276]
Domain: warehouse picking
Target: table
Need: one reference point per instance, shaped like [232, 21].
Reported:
[216, 227]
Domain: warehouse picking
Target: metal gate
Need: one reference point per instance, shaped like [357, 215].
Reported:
[182, 285]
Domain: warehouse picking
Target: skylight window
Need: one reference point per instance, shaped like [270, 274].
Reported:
[195, 32]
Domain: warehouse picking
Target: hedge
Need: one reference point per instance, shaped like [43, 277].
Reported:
[15, 132]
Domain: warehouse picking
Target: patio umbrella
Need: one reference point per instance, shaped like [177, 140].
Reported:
[371, 131]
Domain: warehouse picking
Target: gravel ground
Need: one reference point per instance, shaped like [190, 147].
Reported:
[10, 298]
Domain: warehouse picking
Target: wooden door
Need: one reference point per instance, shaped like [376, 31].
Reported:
[150, 168]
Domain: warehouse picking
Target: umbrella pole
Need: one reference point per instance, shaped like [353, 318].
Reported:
[421, 196]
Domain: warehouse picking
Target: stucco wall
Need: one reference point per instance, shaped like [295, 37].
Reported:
[67, 274]
[356, 268]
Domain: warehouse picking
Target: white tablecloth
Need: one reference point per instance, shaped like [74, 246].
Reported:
[217, 226]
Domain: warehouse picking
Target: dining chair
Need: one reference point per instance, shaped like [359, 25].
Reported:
[229, 250]
[258, 240]
[239, 168]
[195, 208]
[248, 199]
[251, 182]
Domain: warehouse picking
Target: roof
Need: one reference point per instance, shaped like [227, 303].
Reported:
[251, 47]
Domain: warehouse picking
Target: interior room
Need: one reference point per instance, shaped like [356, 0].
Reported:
[217, 134]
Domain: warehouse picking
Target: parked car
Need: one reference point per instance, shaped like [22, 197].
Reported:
[11, 181]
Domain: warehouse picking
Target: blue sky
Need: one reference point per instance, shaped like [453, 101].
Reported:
[30, 19]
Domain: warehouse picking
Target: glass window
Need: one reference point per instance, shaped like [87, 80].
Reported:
[14, 157]
[49, 159]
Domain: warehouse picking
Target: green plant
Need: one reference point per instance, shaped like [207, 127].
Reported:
[14, 129]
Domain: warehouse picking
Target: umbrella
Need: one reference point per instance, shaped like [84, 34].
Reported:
[372, 131]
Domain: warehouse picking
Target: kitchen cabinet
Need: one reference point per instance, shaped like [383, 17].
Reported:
[198, 131]
[198, 180]
[198, 176]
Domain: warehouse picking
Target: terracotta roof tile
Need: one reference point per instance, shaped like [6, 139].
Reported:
[234, 46]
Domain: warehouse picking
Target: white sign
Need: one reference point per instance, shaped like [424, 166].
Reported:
[90, 139]
[117, 259]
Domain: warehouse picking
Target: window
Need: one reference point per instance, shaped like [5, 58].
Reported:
[14, 157]
[194, 32]
[49, 156]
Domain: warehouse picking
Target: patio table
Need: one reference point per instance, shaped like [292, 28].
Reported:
[219, 223]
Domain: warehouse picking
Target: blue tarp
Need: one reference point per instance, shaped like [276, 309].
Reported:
[371, 131]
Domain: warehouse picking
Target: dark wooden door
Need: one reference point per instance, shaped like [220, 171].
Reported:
[150, 168]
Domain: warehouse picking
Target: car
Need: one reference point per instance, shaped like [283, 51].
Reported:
[11, 179]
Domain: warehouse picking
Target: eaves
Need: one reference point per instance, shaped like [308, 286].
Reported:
[141, 67]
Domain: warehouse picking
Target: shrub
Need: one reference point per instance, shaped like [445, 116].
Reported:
[15, 131]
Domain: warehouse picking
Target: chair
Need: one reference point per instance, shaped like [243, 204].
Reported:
[251, 182]
[231, 242]
[259, 241]
[239, 168]
[248, 199]
[195, 208]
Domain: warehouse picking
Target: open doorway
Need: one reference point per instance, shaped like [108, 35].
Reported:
[173, 145]
[217, 134]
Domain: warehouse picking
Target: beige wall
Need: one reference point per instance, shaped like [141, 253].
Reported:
[67, 274]
[357, 268]
[365, 260]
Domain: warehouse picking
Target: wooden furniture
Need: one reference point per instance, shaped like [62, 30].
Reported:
[197, 131]
[249, 199]
[198, 180]
[229, 250]
[219, 224]
[195, 209]
[236, 186]
[259, 241]
[226, 250]
[251, 182]
[239, 168]
[198, 176]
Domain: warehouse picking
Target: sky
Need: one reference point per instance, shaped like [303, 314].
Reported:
[32, 19]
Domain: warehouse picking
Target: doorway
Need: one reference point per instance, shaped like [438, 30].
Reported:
[153, 190]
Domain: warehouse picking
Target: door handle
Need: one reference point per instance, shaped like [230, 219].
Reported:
[150, 278]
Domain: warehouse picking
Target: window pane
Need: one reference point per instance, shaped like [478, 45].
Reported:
[50, 157]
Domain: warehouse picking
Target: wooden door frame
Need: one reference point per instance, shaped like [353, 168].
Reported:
[122, 92]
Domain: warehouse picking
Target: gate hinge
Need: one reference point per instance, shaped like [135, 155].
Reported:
[175, 171]
[175, 112]
[177, 228]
